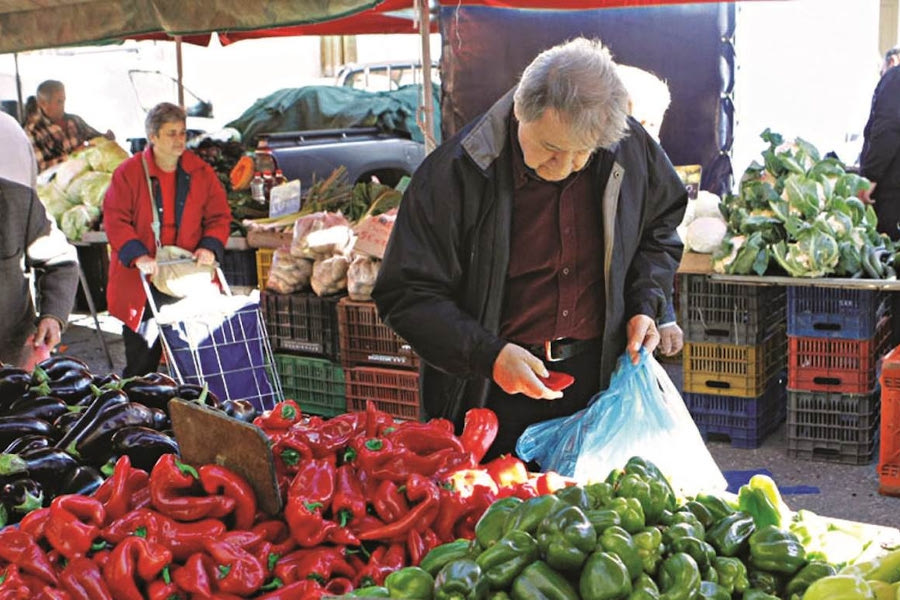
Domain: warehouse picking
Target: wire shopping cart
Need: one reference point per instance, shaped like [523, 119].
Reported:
[221, 342]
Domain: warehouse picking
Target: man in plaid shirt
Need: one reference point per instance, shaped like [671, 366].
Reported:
[54, 134]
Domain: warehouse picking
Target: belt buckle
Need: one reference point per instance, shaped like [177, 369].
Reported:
[548, 351]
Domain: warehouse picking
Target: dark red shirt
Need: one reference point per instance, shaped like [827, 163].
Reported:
[554, 286]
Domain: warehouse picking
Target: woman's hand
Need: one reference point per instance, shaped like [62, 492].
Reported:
[204, 256]
[146, 264]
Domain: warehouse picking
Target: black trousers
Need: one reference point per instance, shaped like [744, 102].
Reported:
[143, 348]
[517, 411]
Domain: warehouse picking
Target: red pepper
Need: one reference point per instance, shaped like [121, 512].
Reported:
[299, 590]
[116, 492]
[49, 593]
[314, 483]
[425, 438]
[74, 523]
[289, 452]
[239, 572]
[142, 522]
[376, 421]
[418, 489]
[369, 454]
[12, 586]
[184, 539]
[282, 416]
[479, 432]
[134, 558]
[160, 590]
[277, 533]
[389, 503]
[217, 479]
[35, 523]
[404, 462]
[171, 486]
[196, 574]
[20, 549]
[507, 470]
[83, 581]
[349, 502]
[549, 482]
[466, 481]
[319, 564]
[453, 507]
[308, 527]
[415, 545]
[382, 562]
[339, 586]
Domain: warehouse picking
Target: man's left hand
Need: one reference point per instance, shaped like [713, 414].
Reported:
[641, 332]
[204, 256]
[47, 334]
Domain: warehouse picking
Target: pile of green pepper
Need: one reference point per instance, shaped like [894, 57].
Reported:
[626, 538]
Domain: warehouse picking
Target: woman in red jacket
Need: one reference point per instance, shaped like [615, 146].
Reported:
[193, 214]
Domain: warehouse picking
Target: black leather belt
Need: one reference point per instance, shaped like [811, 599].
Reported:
[561, 348]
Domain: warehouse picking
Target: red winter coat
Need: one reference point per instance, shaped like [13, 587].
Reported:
[203, 220]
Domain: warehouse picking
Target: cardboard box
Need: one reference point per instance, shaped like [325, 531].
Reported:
[693, 262]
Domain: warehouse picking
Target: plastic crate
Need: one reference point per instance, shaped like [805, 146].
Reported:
[847, 366]
[263, 264]
[832, 427]
[728, 313]
[733, 370]
[302, 323]
[316, 384]
[825, 312]
[239, 267]
[366, 340]
[746, 422]
[393, 391]
[889, 455]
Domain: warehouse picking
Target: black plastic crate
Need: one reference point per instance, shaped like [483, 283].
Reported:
[302, 323]
[727, 313]
[94, 261]
[826, 312]
[833, 427]
[745, 422]
[239, 267]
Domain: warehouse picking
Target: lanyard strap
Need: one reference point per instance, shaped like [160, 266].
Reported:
[155, 225]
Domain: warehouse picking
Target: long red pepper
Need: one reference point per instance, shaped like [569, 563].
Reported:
[12, 586]
[82, 579]
[389, 503]
[239, 571]
[195, 575]
[217, 479]
[418, 489]
[19, 548]
[172, 485]
[134, 557]
[349, 501]
[479, 432]
[74, 523]
[116, 493]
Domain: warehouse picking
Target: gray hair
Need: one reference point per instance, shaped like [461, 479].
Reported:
[47, 88]
[162, 113]
[579, 80]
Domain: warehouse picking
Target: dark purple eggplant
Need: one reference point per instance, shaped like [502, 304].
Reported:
[14, 427]
[14, 382]
[47, 466]
[104, 402]
[107, 382]
[198, 393]
[28, 442]
[42, 407]
[94, 446]
[21, 496]
[242, 410]
[83, 479]
[151, 391]
[55, 366]
[143, 445]
[161, 419]
[63, 423]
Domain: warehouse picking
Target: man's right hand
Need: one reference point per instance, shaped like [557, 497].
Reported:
[516, 371]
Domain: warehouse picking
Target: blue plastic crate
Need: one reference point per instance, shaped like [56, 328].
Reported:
[744, 421]
[826, 312]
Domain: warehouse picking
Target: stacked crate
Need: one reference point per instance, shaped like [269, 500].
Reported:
[835, 340]
[378, 364]
[889, 455]
[734, 358]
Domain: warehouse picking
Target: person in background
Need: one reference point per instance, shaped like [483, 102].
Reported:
[648, 101]
[193, 214]
[541, 236]
[54, 133]
[30, 240]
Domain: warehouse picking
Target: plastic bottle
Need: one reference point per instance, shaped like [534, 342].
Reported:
[258, 188]
[268, 181]
[279, 177]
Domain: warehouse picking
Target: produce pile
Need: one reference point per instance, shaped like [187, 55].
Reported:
[800, 214]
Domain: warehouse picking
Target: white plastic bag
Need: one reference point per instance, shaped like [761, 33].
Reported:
[640, 414]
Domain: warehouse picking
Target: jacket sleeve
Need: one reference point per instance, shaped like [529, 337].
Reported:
[421, 278]
[216, 216]
[652, 271]
[49, 252]
[119, 215]
[883, 129]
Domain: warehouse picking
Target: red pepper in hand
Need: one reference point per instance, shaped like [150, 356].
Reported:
[479, 432]
[282, 416]
[73, 524]
[20, 549]
[349, 502]
[172, 484]
[389, 503]
[219, 480]
[133, 558]
[116, 492]
[418, 489]
[83, 581]
[239, 572]
[196, 574]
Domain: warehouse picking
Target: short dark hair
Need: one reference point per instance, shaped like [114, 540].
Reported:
[162, 113]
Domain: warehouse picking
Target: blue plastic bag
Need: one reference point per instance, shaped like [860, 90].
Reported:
[640, 414]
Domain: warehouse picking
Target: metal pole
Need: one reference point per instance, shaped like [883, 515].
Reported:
[427, 96]
[19, 89]
[180, 69]
[90, 302]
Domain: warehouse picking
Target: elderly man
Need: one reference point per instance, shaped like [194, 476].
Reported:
[540, 236]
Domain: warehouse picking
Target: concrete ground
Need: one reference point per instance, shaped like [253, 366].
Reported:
[829, 489]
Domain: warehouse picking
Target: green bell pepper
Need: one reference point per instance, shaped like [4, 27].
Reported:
[566, 537]
[631, 513]
[703, 553]
[718, 507]
[619, 542]
[650, 548]
[884, 568]
[599, 493]
[492, 524]
[439, 556]
[732, 573]
[703, 514]
[776, 550]
[653, 495]
[528, 515]
[713, 591]
[574, 495]
[540, 582]
[502, 562]
[768, 582]
[372, 591]
[757, 594]
[844, 587]
[644, 588]
[460, 579]
[688, 518]
[603, 518]
[604, 577]
[813, 571]
[680, 530]
[499, 595]
[648, 470]
[412, 583]
[679, 577]
[729, 535]
[761, 499]
[710, 574]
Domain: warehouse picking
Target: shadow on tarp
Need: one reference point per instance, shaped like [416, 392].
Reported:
[736, 479]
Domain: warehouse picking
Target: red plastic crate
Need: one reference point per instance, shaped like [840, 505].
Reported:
[836, 365]
[394, 391]
[889, 454]
[366, 340]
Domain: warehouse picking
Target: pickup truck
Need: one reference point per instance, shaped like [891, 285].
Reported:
[366, 152]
